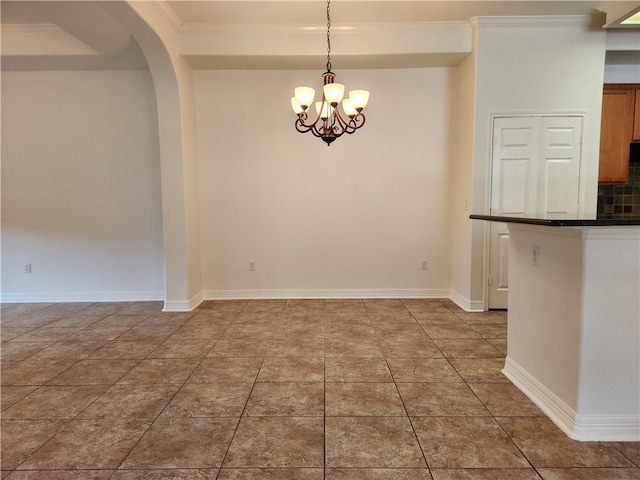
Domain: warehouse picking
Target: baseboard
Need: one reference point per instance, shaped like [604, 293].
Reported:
[607, 428]
[593, 428]
[184, 305]
[558, 411]
[465, 303]
[192, 303]
[324, 293]
[79, 297]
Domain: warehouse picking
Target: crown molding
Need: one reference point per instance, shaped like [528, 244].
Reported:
[41, 38]
[533, 21]
[416, 43]
[169, 14]
[284, 29]
[30, 29]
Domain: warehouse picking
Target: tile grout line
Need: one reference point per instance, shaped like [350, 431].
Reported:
[69, 421]
[65, 422]
[324, 392]
[493, 417]
[124, 458]
[244, 407]
[395, 383]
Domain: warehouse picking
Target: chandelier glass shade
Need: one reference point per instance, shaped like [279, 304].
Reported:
[330, 121]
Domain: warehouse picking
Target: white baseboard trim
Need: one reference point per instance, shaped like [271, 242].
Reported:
[192, 303]
[607, 428]
[466, 304]
[558, 411]
[184, 305]
[324, 293]
[78, 297]
[585, 428]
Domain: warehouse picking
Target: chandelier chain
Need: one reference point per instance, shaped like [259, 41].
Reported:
[328, 35]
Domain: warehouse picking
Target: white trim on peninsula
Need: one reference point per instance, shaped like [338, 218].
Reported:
[578, 427]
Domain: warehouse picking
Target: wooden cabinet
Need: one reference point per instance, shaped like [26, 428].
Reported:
[619, 107]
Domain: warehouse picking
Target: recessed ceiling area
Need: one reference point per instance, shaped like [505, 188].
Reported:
[274, 34]
[348, 12]
[50, 35]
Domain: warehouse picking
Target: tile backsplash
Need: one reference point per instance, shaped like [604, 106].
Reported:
[621, 200]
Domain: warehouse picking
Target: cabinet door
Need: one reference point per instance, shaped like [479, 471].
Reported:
[636, 119]
[615, 135]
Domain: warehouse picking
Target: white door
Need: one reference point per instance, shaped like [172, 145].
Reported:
[535, 170]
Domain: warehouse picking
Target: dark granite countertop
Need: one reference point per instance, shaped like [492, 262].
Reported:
[566, 220]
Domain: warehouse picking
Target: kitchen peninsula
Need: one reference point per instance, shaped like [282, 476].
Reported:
[574, 321]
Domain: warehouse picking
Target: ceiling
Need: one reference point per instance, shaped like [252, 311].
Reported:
[82, 35]
[347, 12]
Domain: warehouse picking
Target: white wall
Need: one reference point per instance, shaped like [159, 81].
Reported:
[553, 66]
[81, 196]
[172, 78]
[354, 218]
[623, 56]
[546, 65]
[576, 353]
[622, 73]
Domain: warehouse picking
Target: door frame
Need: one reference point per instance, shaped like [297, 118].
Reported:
[489, 172]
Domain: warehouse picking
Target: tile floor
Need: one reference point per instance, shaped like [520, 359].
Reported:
[296, 390]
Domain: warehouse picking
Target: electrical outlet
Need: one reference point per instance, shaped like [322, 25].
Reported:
[535, 256]
[425, 265]
[252, 266]
[27, 268]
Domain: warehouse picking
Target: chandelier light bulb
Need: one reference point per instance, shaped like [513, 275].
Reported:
[304, 96]
[348, 108]
[359, 99]
[333, 92]
[324, 114]
[297, 109]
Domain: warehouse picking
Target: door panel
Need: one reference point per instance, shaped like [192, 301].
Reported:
[535, 169]
[558, 189]
[499, 269]
[512, 174]
[557, 197]
[513, 200]
[501, 278]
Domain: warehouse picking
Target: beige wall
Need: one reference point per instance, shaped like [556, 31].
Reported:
[355, 218]
[461, 186]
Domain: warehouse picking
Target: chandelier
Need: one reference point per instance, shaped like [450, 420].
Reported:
[330, 122]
